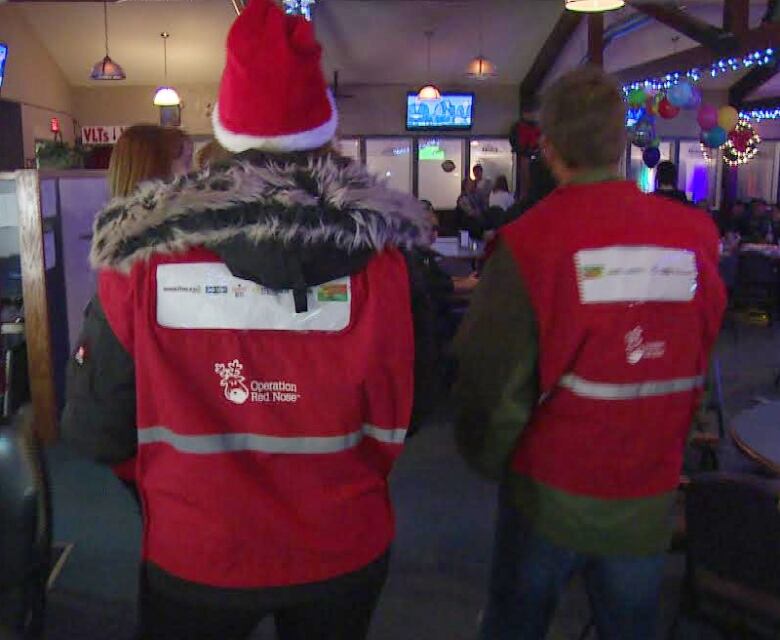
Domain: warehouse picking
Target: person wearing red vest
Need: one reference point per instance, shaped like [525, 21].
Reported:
[259, 340]
[581, 365]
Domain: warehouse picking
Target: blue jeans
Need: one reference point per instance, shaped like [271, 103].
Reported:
[530, 573]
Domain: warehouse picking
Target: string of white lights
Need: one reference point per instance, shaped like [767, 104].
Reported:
[759, 58]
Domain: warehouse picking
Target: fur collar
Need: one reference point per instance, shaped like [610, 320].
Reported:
[317, 201]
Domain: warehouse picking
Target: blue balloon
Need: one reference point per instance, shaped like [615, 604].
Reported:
[642, 133]
[680, 94]
[651, 156]
[715, 137]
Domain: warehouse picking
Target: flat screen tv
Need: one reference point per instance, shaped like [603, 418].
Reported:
[453, 111]
[3, 57]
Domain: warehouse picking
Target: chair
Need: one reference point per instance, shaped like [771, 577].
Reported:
[732, 578]
[729, 273]
[757, 284]
[25, 530]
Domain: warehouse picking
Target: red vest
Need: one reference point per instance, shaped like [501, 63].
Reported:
[265, 436]
[628, 303]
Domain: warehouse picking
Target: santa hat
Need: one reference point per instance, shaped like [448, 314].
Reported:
[273, 95]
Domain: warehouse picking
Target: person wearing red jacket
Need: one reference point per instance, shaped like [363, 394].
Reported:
[259, 339]
[581, 365]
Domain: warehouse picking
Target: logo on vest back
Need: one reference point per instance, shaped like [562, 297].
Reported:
[637, 349]
[233, 384]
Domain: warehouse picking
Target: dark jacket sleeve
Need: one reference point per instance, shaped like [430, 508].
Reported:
[497, 351]
[99, 416]
[425, 356]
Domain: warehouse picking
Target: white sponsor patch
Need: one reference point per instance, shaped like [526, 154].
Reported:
[205, 295]
[636, 274]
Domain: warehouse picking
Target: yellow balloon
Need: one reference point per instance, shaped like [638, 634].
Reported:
[728, 117]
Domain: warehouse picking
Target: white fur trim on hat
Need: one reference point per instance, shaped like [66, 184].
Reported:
[303, 141]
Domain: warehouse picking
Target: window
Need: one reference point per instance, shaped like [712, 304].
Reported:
[440, 171]
[349, 148]
[697, 175]
[758, 177]
[496, 157]
[640, 173]
[391, 159]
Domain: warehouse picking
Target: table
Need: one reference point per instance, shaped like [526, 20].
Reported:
[757, 433]
[450, 248]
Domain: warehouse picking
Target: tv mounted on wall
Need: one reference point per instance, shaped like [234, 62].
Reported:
[3, 58]
[453, 111]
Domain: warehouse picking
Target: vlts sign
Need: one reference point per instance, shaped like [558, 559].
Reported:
[101, 135]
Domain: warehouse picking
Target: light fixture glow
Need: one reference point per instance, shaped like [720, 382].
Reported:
[480, 68]
[166, 97]
[429, 92]
[594, 6]
[106, 69]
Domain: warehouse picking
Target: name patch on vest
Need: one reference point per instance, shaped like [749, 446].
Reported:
[205, 295]
[636, 274]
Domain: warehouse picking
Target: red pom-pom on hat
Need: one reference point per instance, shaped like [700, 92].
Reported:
[273, 95]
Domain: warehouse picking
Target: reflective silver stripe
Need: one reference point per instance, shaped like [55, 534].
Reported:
[227, 442]
[607, 391]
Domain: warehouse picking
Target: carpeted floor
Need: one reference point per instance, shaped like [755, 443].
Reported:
[441, 557]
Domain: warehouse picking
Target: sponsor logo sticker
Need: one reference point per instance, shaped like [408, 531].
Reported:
[334, 292]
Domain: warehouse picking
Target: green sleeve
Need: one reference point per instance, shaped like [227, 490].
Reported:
[497, 351]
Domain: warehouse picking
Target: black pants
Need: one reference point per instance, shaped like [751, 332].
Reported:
[336, 615]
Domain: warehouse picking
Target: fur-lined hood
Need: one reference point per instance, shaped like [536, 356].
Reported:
[253, 204]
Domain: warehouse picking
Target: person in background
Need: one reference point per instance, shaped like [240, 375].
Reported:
[261, 340]
[758, 228]
[576, 387]
[666, 182]
[500, 196]
[469, 209]
[483, 187]
[147, 152]
[212, 153]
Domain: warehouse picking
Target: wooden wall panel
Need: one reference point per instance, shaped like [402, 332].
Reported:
[36, 310]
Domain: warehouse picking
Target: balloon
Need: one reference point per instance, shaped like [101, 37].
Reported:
[651, 156]
[708, 117]
[680, 93]
[642, 134]
[715, 137]
[667, 110]
[728, 117]
[651, 105]
[695, 101]
[637, 98]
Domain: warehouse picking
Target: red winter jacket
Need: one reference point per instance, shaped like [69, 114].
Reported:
[268, 316]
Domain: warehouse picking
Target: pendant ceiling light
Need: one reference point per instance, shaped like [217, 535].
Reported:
[166, 96]
[107, 69]
[480, 68]
[594, 6]
[429, 91]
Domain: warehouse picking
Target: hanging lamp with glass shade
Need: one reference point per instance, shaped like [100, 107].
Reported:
[480, 68]
[594, 6]
[429, 91]
[166, 95]
[107, 69]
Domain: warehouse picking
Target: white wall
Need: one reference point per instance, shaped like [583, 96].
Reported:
[372, 109]
[33, 78]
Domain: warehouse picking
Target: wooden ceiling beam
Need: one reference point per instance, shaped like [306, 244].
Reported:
[767, 35]
[754, 79]
[736, 17]
[545, 60]
[710, 36]
[596, 39]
